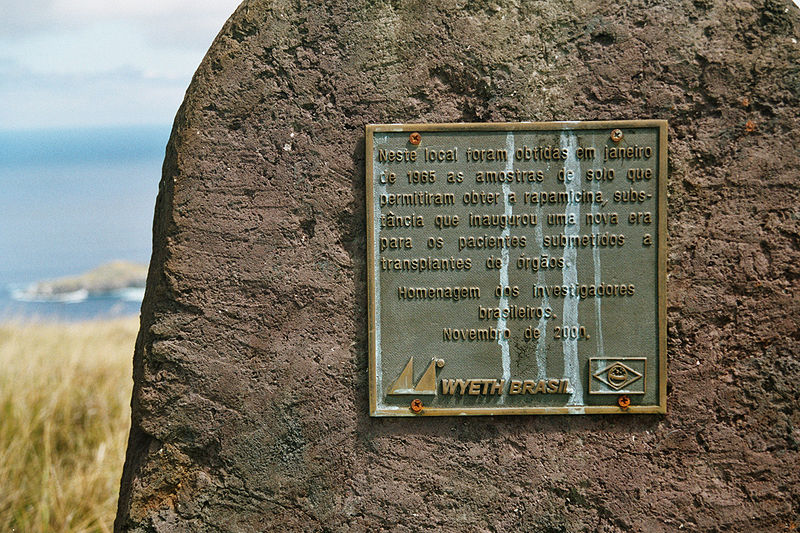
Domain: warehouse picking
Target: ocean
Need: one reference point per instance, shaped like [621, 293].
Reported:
[71, 200]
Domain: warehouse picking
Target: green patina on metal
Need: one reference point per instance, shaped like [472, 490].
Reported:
[517, 268]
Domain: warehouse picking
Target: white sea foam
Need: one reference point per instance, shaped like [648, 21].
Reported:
[29, 295]
[130, 294]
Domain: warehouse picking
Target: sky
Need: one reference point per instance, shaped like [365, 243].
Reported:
[89, 63]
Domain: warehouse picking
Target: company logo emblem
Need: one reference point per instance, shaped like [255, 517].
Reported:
[404, 384]
[618, 375]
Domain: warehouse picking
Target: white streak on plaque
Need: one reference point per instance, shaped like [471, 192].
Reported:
[501, 322]
[541, 344]
[597, 276]
[570, 271]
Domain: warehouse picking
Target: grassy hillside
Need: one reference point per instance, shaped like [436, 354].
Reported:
[64, 416]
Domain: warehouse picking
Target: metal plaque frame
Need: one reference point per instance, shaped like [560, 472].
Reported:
[416, 407]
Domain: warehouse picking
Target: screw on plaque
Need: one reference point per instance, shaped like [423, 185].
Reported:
[616, 135]
[416, 405]
[415, 138]
[624, 402]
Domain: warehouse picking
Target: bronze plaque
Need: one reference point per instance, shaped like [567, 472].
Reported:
[517, 268]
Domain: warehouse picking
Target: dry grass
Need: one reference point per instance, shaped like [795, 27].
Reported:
[64, 417]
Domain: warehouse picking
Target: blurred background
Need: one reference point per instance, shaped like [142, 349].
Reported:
[88, 93]
[89, 89]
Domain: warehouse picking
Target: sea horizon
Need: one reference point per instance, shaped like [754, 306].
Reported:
[74, 199]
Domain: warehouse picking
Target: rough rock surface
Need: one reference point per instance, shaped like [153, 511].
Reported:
[250, 399]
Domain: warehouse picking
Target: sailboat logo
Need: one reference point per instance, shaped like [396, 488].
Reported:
[404, 384]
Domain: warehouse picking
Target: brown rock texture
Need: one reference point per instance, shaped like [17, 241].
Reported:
[250, 408]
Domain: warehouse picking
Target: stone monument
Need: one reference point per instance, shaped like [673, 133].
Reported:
[251, 402]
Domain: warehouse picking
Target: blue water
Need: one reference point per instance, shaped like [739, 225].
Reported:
[71, 200]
